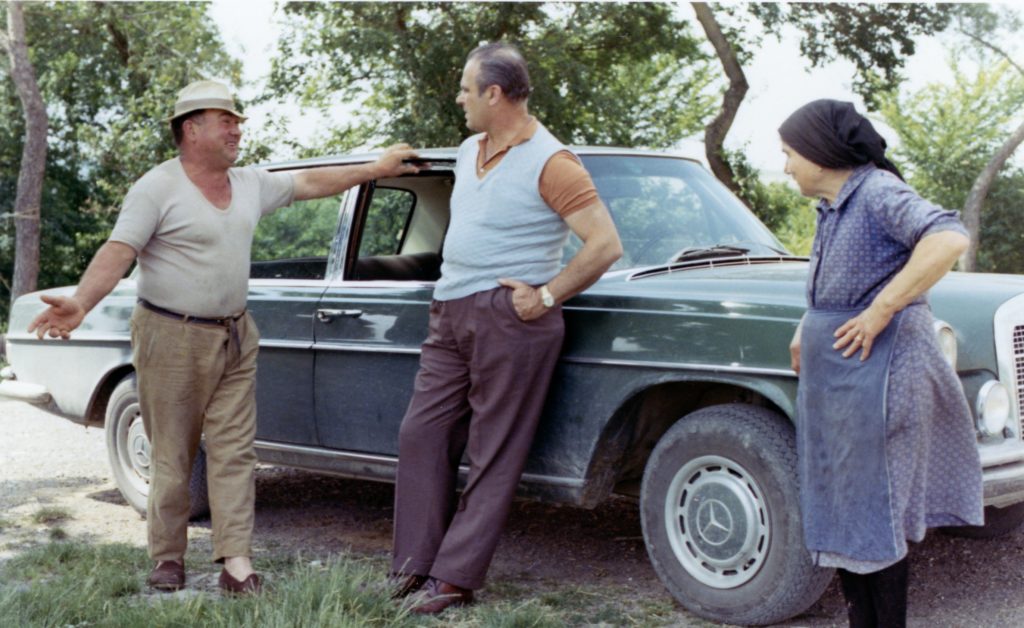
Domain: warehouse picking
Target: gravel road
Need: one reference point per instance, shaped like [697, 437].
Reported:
[48, 461]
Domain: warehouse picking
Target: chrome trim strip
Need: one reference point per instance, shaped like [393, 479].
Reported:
[352, 456]
[77, 338]
[684, 366]
[348, 284]
[286, 344]
[287, 283]
[327, 346]
[317, 451]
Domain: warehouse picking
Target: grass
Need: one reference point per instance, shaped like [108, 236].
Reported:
[50, 515]
[5, 523]
[75, 584]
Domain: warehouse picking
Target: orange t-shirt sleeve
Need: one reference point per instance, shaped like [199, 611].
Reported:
[565, 184]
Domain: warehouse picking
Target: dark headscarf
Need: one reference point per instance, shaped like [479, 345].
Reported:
[832, 134]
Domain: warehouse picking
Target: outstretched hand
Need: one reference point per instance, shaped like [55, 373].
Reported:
[391, 163]
[58, 320]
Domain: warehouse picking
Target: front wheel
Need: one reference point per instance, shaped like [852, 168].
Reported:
[129, 452]
[721, 517]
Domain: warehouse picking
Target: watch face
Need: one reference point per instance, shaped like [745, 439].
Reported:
[546, 298]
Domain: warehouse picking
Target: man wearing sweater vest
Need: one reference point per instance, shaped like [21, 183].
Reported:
[495, 332]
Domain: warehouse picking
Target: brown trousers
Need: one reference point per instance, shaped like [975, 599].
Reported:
[195, 379]
[483, 378]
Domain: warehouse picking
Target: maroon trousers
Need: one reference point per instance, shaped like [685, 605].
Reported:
[481, 386]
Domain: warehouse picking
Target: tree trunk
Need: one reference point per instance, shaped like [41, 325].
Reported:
[717, 129]
[976, 197]
[33, 156]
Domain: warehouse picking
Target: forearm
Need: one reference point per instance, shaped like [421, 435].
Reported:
[107, 267]
[931, 259]
[590, 262]
[331, 180]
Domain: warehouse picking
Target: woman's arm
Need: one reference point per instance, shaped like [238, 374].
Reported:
[931, 258]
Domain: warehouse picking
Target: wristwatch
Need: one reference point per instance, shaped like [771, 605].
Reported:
[545, 297]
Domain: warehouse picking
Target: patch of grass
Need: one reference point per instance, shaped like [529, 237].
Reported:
[6, 523]
[72, 583]
[58, 534]
[51, 514]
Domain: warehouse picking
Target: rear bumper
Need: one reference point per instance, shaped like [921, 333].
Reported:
[25, 391]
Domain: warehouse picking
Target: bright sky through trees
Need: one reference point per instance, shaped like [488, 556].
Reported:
[779, 82]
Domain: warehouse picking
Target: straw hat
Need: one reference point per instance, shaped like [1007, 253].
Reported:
[204, 95]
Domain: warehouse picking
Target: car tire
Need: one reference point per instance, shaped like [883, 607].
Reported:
[998, 522]
[721, 517]
[128, 450]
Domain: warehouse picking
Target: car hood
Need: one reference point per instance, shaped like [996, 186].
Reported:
[772, 290]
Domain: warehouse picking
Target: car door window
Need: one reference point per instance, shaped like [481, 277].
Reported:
[386, 221]
[295, 241]
[388, 249]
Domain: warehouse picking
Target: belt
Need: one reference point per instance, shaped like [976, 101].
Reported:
[187, 318]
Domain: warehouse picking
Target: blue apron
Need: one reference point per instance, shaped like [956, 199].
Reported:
[845, 491]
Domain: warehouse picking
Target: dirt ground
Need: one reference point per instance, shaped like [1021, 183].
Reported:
[47, 461]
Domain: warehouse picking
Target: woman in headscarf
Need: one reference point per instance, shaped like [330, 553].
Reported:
[884, 433]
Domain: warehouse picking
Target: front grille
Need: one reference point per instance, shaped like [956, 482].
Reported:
[1018, 364]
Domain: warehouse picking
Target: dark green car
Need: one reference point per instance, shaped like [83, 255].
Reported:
[674, 384]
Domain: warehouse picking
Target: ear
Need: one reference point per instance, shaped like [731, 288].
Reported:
[494, 94]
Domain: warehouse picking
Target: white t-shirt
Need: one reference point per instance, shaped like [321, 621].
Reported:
[193, 257]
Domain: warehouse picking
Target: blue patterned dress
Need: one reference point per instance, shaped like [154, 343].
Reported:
[887, 446]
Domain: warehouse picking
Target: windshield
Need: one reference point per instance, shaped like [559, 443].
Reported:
[664, 207]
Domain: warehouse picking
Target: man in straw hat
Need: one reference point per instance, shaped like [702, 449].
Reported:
[190, 221]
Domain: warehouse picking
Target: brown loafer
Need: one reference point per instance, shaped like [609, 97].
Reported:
[228, 584]
[168, 575]
[438, 595]
[402, 585]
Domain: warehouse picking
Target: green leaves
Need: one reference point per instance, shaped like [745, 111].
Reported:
[948, 133]
[602, 73]
[109, 73]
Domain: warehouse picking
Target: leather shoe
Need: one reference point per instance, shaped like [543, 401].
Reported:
[438, 595]
[228, 584]
[168, 575]
[402, 585]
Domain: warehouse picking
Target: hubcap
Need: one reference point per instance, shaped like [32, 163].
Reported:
[717, 522]
[135, 448]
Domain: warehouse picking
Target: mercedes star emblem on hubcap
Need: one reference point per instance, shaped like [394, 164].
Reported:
[714, 522]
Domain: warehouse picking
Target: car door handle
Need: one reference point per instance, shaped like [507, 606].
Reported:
[326, 316]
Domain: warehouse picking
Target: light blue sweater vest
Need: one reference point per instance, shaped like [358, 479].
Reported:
[500, 225]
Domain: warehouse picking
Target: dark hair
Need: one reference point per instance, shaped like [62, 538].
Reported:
[177, 125]
[831, 134]
[503, 65]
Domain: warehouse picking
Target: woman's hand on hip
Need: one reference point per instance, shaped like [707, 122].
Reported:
[859, 333]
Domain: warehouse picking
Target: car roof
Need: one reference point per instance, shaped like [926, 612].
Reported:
[450, 153]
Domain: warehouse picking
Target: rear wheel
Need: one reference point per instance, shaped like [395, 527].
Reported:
[721, 517]
[129, 452]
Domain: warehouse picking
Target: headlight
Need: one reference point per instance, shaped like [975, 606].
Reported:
[993, 408]
[947, 341]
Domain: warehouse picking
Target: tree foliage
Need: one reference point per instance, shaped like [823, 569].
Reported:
[876, 38]
[109, 74]
[602, 73]
[947, 135]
